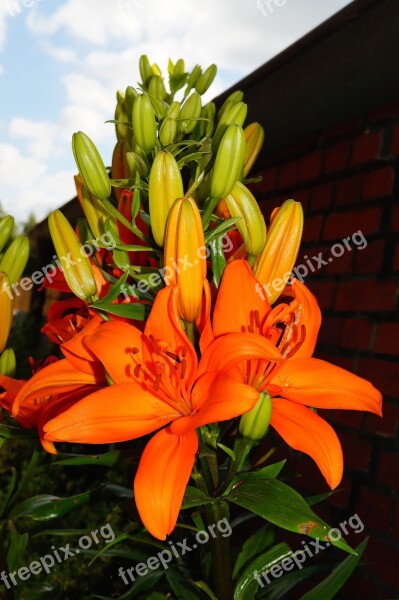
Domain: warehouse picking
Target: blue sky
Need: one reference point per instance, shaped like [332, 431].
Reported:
[61, 62]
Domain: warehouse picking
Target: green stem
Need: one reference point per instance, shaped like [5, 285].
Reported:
[206, 215]
[242, 447]
[220, 551]
[115, 213]
[190, 331]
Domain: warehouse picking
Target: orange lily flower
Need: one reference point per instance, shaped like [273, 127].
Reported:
[299, 381]
[156, 385]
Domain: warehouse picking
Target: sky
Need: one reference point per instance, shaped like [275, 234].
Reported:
[62, 61]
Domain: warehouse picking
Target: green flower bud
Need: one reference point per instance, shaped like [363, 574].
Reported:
[6, 227]
[143, 121]
[146, 71]
[8, 363]
[241, 203]
[235, 97]
[189, 113]
[229, 161]
[173, 110]
[235, 114]
[157, 88]
[90, 166]
[168, 131]
[254, 424]
[206, 79]
[14, 259]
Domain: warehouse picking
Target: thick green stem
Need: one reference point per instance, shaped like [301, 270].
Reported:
[220, 551]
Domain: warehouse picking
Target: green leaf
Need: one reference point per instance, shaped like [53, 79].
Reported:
[221, 229]
[257, 543]
[247, 585]
[108, 459]
[117, 540]
[16, 433]
[279, 588]
[227, 450]
[195, 497]
[10, 489]
[311, 500]
[269, 472]
[45, 507]
[128, 310]
[281, 505]
[328, 588]
[179, 585]
[18, 543]
[218, 260]
[201, 585]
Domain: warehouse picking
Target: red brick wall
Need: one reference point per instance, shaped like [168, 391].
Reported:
[347, 179]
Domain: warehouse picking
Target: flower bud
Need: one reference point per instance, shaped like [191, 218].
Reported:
[278, 256]
[254, 136]
[241, 203]
[184, 256]
[165, 185]
[254, 424]
[168, 131]
[8, 363]
[143, 123]
[173, 110]
[235, 97]
[179, 68]
[93, 210]
[122, 125]
[6, 310]
[6, 227]
[236, 114]
[90, 166]
[156, 87]
[15, 258]
[189, 113]
[146, 71]
[130, 96]
[205, 80]
[229, 161]
[136, 165]
[75, 264]
[206, 125]
[120, 168]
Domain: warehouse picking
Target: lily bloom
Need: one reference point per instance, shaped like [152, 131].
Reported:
[299, 381]
[156, 385]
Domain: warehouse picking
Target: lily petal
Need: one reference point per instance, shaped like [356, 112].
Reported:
[238, 301]
[113, 414]
[305, 431]
[310, 318]
[58, 377]
[216, 397]
[317, 383]
[164, 471]
[76, 351]
[112, 344]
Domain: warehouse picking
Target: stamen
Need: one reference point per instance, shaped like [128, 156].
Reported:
[137, 370]
[155, 344]
[257, 318]
[173, 356]
[183, 368]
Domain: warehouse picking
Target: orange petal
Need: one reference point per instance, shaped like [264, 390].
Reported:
[305, 431]
[165, 326]
[217, 398]
[310, 317]
[58, 377]
[164, 471]
[317, 383]
[204, 322]
[113, 414]
[76, 351]
[113, 344]
[238, 300]
[229, 350]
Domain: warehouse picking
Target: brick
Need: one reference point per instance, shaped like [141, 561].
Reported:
[388, 472]
[349, 190]
[395, 141]
[386, 426]
[268, 183]
[337, 157]
[375, 509]
[322, 196]
[349, 418]
[341, 498]
[309, 167]
[396, 523]
[288, 175]
[344, 129]
[343, 224]
[396, 258]
[303, 198]
[366, 148]
[356, 334]
[381, 560]
[330, 331]
[395, 218]
[360, 586]
[382, 374]
[324, 292]
[312, 229]
[339, 264]
[369, 259]
[357, 452]
[387, 339]
[366, 296]
[388, 111]
[378, 183]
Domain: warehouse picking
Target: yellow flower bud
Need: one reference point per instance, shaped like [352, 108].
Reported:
[278, 256]
[229, 161]
[6, 310]
[72, 256]
[241, 203]
[90, 166]
[184, 256]
[254, 136]
[254, 424]
[15, 258]
[165, 185]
